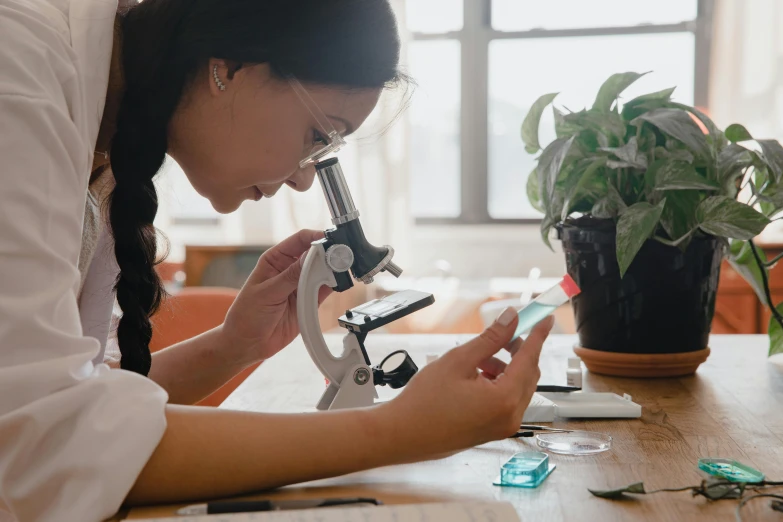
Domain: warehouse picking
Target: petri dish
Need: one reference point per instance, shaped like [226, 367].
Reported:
[574, 442]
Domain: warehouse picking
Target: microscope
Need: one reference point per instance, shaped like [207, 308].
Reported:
[331, 261]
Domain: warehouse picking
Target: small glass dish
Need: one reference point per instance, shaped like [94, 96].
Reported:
[574, 442]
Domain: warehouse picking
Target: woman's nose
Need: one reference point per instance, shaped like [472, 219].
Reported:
[302, 180]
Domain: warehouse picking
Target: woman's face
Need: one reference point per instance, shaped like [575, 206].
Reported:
[247, 141]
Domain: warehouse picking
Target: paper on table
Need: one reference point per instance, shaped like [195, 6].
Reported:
[447, 512]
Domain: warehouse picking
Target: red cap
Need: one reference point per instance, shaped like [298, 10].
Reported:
[569, 286]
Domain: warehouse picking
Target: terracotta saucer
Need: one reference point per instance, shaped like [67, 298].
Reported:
[642, 364]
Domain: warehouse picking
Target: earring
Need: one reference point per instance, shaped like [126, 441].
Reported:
[219, 83]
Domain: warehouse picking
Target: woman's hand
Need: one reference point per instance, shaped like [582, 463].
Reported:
[263, 320]
[468, 397]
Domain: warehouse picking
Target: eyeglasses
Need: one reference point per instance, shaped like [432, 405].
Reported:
[334, 141]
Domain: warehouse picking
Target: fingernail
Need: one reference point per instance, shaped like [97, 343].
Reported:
[506, 316]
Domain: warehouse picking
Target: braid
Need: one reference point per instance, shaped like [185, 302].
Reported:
[135, 158]
[138, 150]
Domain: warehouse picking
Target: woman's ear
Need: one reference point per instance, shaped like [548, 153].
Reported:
[232, 67]
[219, 79]
[225, 72]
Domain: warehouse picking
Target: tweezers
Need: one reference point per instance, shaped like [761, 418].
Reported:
[529, 430]
[551, 388]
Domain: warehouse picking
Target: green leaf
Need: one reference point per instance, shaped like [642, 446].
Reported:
[636, 224]
[533, 194]
[612, 88]
[742, 261]
[775, 333]
[732, 162]
[773, 156]
[736, 132]
[607, 124]
[632, 111]
[532, 120]
[604, 209]
[547, 223]
[677, 175]
[679, 214]
[564, 128]
[612, 164]
[637, 489]
[720, 489]
[590, 184]
[602, 139]
[549, 166]
[679, 125]
[718, 138]
[615, 198]
[770, 196]
[677, 154]
[609, 206]
[723, 216]
[664, 95]
[629, 154]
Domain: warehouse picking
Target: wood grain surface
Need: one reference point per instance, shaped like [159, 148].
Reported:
[732, 407]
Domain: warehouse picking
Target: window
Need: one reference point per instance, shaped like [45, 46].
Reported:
[480, 64]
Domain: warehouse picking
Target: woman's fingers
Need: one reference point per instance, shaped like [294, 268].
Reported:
[281, 286]
[515, 345]
[492, 367]
[280, 257]
[297, 244]
[323, 293]
[525, 361]
[486, 345]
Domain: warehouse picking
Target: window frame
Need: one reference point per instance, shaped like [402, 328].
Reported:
[474, 38]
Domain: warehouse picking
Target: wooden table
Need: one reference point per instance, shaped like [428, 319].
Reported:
[732, 407]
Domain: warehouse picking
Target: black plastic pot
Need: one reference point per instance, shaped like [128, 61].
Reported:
[663, 304]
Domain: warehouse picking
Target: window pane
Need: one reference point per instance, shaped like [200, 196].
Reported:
[522, 70]
[435, 120]
[433, 16]
[523, 15]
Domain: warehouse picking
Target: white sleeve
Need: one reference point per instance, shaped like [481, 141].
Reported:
[74, 436]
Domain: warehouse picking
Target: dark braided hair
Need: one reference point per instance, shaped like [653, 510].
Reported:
[165, 45]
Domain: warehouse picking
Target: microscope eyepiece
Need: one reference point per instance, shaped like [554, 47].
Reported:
[338, 197]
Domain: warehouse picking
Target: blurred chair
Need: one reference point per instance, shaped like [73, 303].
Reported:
[190, 312]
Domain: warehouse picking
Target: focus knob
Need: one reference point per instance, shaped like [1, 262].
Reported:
[339, 258]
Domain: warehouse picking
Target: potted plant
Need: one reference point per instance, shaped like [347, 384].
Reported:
[648, 197]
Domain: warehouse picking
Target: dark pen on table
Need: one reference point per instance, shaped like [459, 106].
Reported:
[247, 506]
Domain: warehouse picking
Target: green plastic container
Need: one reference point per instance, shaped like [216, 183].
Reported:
[731, 470]
[525, 470]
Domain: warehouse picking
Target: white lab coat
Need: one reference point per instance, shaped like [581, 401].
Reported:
[74, 434]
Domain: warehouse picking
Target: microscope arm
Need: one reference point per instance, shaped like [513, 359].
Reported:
[315, 274]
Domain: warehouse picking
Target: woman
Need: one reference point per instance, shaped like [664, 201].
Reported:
[90, 106]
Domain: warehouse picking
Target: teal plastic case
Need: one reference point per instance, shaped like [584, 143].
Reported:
[525, 470]
[730, 470]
